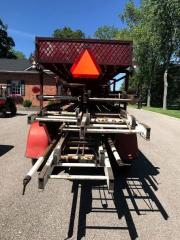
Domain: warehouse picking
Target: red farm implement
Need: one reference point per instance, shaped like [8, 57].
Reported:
[87, 124]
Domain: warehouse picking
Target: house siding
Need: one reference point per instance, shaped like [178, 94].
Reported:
[31, 80]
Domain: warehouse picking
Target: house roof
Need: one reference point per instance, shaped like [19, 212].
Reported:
[14, 64]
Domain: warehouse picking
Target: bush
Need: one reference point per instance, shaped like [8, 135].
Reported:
[27, 103]
[49, 103]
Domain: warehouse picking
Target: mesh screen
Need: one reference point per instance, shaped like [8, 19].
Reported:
[115, 53]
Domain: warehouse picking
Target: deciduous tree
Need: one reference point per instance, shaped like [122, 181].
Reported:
[166, 22]
[145, 41]
[19, 54]
[67, 32]
[6, 42]
[155, 29]
[106, 32]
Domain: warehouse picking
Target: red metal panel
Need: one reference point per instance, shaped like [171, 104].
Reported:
[127, 146]
[116, 53]
[38, 140]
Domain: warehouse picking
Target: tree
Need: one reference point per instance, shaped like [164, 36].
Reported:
[19, 54]
[67, 32]
[124, 34]
[131, 15]
[106, 32]
[139, 28]
[154, 27]
[166, 24]
[6, 43]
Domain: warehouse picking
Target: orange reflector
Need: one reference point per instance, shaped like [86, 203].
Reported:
[85, 66]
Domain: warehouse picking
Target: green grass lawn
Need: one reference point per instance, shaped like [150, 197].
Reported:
[172, 113]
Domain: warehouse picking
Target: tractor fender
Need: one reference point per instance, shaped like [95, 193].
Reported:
[2, 102]
[127, 146]
[37, 141]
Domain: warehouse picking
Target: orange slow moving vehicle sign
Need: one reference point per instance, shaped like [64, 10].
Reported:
[85, 66]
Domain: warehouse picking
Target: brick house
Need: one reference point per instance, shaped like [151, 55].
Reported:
[20, 78]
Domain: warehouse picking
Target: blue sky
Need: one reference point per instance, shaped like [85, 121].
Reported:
[27, 19]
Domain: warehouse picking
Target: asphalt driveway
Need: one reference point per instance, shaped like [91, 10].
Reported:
[145, 204]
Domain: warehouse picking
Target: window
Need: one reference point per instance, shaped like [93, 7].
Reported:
[17, 87]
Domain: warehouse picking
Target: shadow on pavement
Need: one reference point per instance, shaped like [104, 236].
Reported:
[135, 188]
[21, 114]
[4, 149]
[9, 115]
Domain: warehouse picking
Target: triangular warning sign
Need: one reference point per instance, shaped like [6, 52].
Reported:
[85, 66]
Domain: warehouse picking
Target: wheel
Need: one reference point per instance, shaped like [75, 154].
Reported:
[3, 113]
[13, 110]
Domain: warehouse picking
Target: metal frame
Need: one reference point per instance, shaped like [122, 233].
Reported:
[60, 157]
[88, 121]
[84, 123]
[81, 151]
[53, 162]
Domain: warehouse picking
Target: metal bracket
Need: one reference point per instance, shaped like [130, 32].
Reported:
[84, 122]
[144, 130]
[116, 154]
[58, 149]
[108, 172]
[45, 172]
[31, 118]
[101, 155]
[131, 121]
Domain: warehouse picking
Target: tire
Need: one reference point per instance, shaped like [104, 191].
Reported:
[13, 110]
[3, 112]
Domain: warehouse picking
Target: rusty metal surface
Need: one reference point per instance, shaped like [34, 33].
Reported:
[59, 55]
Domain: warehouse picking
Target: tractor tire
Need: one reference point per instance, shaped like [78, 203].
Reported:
[13, 110]
[3, 113]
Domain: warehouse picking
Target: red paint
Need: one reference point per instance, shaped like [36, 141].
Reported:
[35, 89]
[127, 146]
[85, 66]
[2, 101]
[38, 140]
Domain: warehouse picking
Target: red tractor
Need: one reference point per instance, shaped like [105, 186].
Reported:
[7, 103]
[87, 125]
